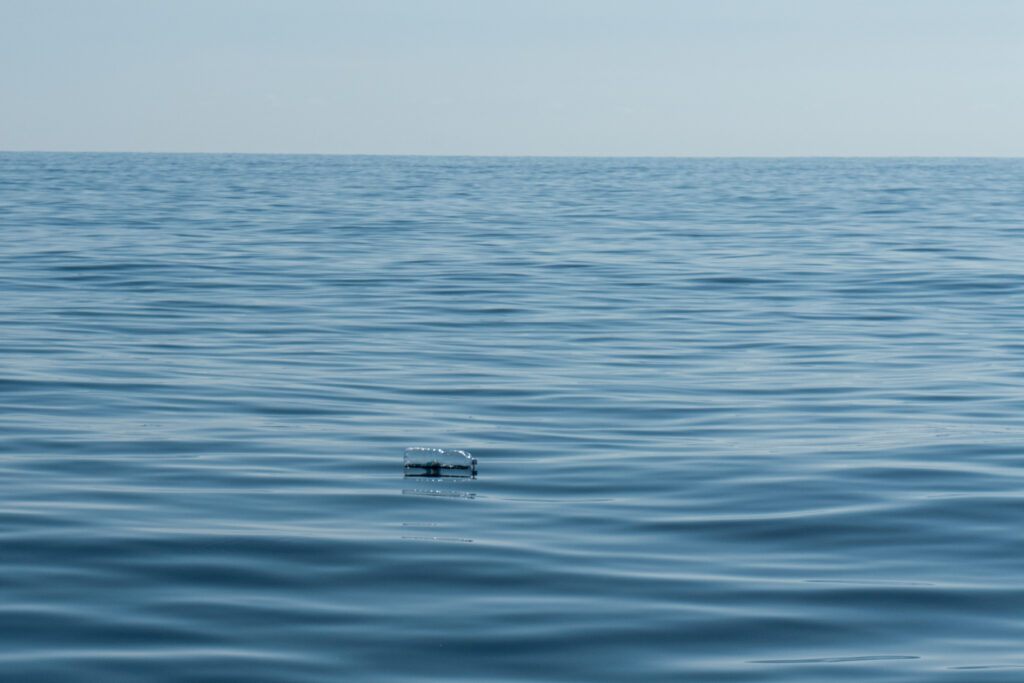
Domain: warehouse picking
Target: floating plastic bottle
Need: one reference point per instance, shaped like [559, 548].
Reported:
[439, 462]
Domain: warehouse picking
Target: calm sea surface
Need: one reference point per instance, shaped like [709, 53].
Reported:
[744, 420]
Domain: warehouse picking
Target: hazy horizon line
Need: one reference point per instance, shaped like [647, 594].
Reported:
[522, 156]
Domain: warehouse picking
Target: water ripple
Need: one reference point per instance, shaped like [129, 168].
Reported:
[737, 419]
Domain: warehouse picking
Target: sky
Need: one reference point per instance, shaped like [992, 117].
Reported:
[515, 77]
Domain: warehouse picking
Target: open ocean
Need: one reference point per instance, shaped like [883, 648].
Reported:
[736, 419]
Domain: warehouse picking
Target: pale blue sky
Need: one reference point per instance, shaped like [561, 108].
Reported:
[518, 77]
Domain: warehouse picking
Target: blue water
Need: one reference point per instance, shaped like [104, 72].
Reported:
[744, 420]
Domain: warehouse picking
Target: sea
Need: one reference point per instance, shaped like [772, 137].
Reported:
[735, 419]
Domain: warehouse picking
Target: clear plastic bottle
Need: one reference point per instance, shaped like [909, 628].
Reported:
[438, 462]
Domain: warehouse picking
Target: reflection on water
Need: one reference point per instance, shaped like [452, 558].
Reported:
[439, 492]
